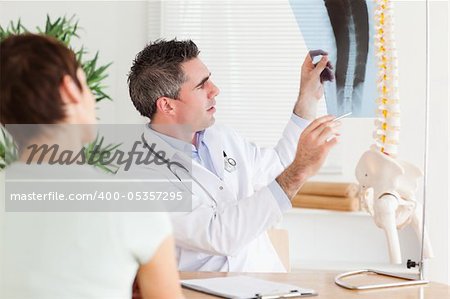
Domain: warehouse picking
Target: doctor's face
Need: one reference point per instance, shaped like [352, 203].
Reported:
[196, 104]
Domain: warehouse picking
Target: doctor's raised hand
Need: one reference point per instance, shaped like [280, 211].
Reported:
[320, 136]
[311, 88]
[313, 147]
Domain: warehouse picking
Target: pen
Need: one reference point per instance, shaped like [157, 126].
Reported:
[336, 119]
[342, 116]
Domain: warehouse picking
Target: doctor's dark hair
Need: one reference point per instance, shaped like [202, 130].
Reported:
[157, 72]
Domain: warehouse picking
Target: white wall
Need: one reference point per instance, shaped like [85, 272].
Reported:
[119, 30]
[438, 197]
[448, 135]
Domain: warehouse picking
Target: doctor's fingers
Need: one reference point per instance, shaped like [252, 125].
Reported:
[324, 138]
[308, 63]
[327, 131]
[320, 66]
[317, 123]
[329, 143]
[314, 53]
[309, 58]
[320, 137]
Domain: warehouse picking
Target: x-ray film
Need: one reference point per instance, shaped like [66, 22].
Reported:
[344, 29]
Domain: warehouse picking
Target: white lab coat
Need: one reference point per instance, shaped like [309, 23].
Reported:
[236, 227]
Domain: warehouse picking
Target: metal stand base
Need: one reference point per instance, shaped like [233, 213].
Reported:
[409, 280]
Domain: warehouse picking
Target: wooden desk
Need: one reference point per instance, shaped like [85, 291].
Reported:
[323, 283]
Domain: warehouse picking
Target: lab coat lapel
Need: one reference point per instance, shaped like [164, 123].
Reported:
[215, 146]
[213, 184]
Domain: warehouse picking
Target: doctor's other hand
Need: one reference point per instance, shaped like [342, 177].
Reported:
[311, 88]
[313, 147]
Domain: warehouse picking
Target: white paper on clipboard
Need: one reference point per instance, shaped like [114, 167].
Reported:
[244, 287]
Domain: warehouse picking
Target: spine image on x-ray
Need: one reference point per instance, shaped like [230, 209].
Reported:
[350, 24]
[345, 30]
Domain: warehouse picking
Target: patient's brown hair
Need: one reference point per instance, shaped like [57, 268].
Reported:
[32, 68]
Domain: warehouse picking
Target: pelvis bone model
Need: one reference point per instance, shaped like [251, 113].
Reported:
[388, 188]
[388, 185]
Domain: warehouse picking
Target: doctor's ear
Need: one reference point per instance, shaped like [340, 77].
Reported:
[165, 105]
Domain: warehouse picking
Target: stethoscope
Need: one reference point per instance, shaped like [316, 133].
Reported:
[230, 166]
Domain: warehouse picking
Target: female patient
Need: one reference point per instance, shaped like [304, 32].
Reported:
[71, 255]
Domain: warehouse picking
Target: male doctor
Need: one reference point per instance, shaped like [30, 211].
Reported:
[235, 200]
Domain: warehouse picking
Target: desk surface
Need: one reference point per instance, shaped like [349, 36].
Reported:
[323, 283]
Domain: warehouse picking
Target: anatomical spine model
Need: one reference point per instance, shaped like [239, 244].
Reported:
[388, 185]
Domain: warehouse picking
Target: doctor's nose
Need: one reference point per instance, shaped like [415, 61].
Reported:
[214, 91]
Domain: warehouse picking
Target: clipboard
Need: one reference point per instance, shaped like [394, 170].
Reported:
[245, 287]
